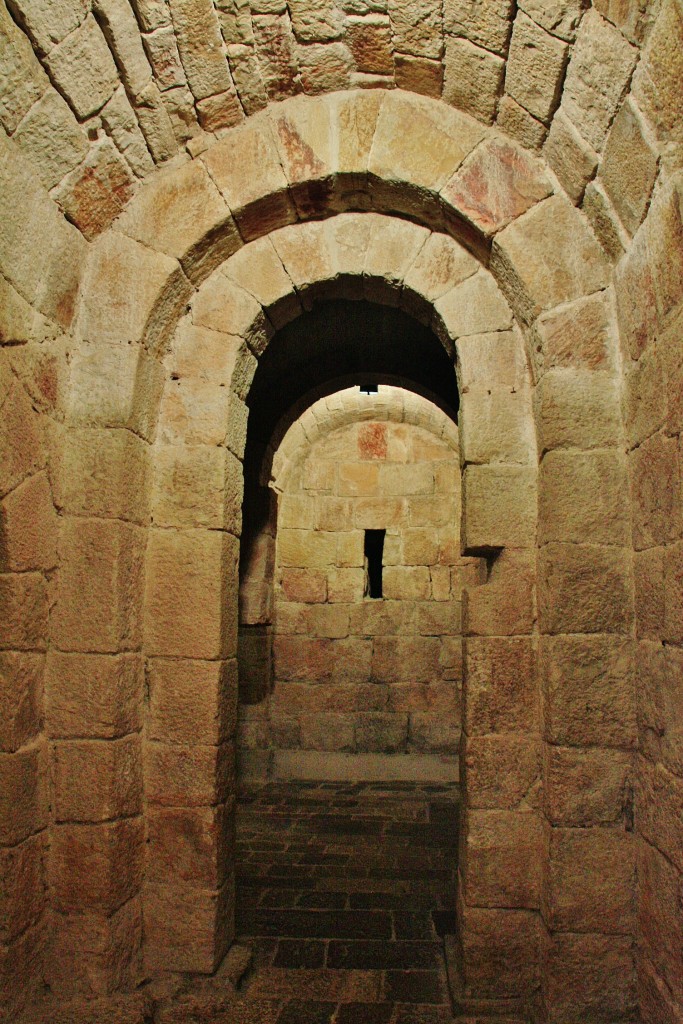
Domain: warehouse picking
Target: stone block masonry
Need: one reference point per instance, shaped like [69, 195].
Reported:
[352, 674]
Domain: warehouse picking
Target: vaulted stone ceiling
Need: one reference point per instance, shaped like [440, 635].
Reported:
[98, 92]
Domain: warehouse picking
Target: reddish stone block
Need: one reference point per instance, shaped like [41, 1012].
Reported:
[502, 856]
[497, 183]
[23, 793]
[660, 923]
[21, 685]
[412, 659]
[589, 977]
[587, 787]
[381, 732]
[588, 690]
[187, 928]
[23, 894]
[192, 701]
[656, 491]
[180, 775]
[97, 780]
[659, 809]
[304, 585]
[501, 771]
[21, 969]
[584, 588]
[504, 606]
[91, 955]
[96, 867]
[590, 880]
[194, 845]
[500, 952]
[24, 603]
[499, 685]
[93, 695]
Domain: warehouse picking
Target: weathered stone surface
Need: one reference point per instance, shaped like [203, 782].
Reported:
[473, 78]
[120, 121]
[97, 780]
[589, 690]
[587, 786]
[572, 263]
[190, 571]
[592, 975]
[590, 882]
[416, 27]
[535, 68]
[561, 17]
[601, 65]
[83, 68]
[246, 168]
[660, 925]
[584, 588]
[474, 306]
[51, 136]
[188, 775]
[200, 46]
[102, 473]
[23, 795]
[629, 166]
[501, 859]
[572, 159]
[486, 25]
[30, 527]
[93, 695]
[96, 867]
[655, 492]
[516, 121]
[656, 83]
[500, 951]
[21, 688]
[96, 191]
[501, 771]
[182, 215]
[123, 282]
[190, 699]
[499, 685]
[25, 604]
[47, 28]
[487, 488]
[578, 335]
[577, 409]
[275, 46]
[172, 912]
[24, 896]
[495, 185]
[601, 516]
[418, 74]
[606, 224]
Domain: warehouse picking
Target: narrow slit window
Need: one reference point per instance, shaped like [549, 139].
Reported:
[374, 551]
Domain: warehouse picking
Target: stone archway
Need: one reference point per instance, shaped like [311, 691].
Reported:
[360, 151]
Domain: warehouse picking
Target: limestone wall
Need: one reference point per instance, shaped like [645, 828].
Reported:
[70, 144]
[351, 673]
[101, 93]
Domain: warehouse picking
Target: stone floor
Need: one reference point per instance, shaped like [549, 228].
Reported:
[345, 891]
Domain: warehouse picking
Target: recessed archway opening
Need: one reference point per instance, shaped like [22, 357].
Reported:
[350, 705]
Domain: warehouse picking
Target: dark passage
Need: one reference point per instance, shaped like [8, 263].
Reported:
[345, 891]
[374, 553]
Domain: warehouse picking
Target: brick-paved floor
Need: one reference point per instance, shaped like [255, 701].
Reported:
[344, 893]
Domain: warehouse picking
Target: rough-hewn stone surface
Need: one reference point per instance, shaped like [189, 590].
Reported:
[93, 98]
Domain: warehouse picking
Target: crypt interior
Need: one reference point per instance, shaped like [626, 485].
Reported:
[341, 512]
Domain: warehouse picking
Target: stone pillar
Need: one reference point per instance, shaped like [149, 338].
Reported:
[588, 707]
